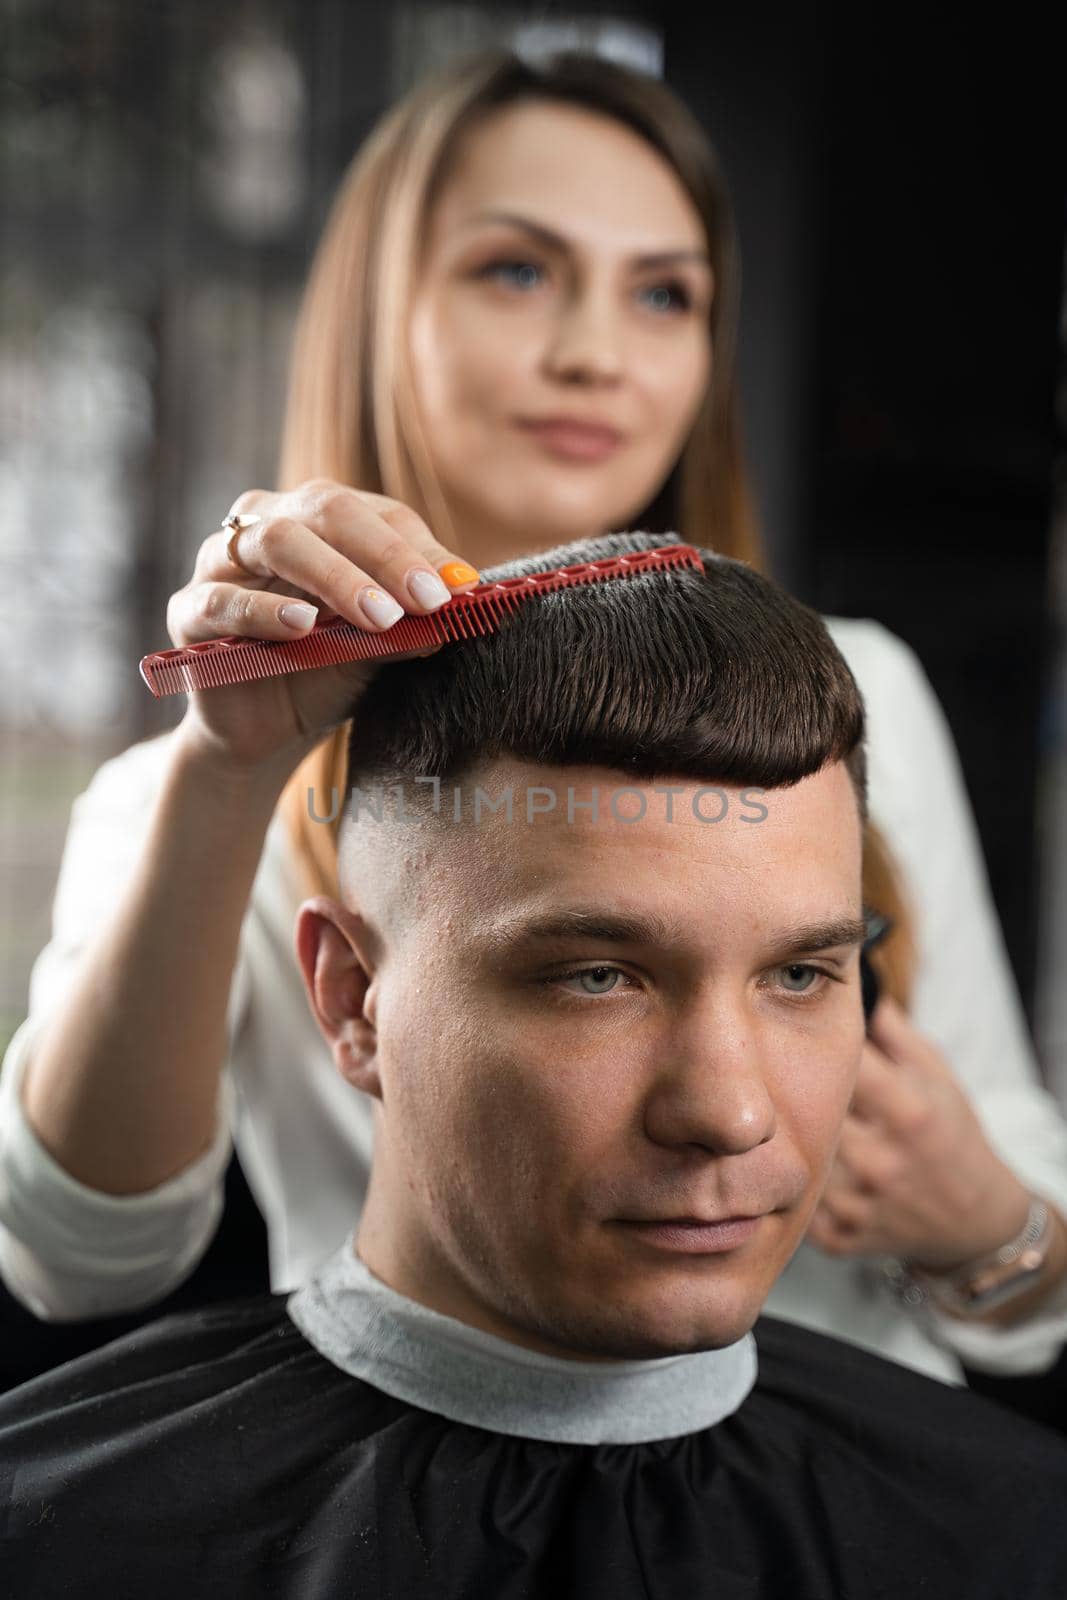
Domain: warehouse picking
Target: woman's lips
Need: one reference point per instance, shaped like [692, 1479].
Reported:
[573, 441]
[696, 1238]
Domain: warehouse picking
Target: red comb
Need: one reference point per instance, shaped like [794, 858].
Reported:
[480, 610]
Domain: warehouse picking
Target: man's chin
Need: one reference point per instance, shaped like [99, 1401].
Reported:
[692, 1335]
[662, 1325]
[658, 1339]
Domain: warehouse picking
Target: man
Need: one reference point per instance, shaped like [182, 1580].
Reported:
[595, 958]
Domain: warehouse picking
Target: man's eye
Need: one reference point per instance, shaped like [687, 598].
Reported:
[597, 977]
[799, 978]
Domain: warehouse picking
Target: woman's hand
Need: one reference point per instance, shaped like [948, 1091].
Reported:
[344, 551]
[914, 1175]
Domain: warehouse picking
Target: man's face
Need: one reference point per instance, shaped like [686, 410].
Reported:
[545, 1089]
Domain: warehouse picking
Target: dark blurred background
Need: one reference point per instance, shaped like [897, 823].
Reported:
[899, 180]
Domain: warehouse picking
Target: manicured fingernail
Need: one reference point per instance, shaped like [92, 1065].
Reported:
[296, 614]
[380, 607]
[458, 572]
[428, 589]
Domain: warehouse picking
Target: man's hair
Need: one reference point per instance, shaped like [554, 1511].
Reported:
[718, 676]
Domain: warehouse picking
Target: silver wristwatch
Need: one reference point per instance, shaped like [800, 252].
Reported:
[983, 1285]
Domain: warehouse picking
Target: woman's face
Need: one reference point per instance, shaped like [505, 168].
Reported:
[566, 276]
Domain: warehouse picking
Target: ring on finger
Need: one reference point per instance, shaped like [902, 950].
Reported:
[238, 523]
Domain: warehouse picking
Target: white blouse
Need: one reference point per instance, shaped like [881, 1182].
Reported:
[304, 1136]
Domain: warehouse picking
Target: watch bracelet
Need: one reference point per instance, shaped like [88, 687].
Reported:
[981, 1285]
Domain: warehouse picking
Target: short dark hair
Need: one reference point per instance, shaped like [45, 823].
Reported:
[718, 675]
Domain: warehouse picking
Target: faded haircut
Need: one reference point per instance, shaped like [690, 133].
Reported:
[718, 675]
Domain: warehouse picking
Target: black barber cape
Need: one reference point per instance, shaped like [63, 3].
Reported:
[270, 1449]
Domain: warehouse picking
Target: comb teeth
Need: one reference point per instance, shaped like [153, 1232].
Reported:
[216, 662]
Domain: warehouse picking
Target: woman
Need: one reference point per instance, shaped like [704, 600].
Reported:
[510, 248]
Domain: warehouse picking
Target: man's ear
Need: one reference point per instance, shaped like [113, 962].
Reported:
[334, 948]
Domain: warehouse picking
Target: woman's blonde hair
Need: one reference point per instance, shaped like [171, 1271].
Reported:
[351, 412]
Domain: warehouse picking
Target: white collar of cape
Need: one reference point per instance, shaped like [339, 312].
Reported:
[445, 1366]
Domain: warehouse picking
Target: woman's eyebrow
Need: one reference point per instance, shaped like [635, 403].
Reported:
[553, 240]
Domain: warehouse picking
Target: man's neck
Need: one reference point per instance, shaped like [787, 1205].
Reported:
[413, 1268]
[446, 1366]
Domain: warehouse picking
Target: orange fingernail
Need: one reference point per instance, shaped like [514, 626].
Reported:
[456, 573]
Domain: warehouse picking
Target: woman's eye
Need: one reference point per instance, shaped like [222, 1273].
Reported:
[527, 270]
[663, 292]
[523, 274]
[601, 980]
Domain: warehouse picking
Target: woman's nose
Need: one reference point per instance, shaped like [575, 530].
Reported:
[586, 340]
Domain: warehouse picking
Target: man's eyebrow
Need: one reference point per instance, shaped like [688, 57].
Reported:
[808, 938]
[610, 927]
[587, 922]
[556, 241]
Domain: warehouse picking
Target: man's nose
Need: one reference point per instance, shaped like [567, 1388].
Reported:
[712, 1086]
[586, 339]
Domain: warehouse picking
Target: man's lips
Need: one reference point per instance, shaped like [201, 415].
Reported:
[694, 1237]
[697, 1221]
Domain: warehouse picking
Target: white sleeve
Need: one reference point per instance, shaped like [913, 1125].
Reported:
[68, 1251]
[965, 997]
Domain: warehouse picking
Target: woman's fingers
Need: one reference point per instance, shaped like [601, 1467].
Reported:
[319, 551]
[379, 536]
[282, 548]
[214, 610]
[368, 557]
